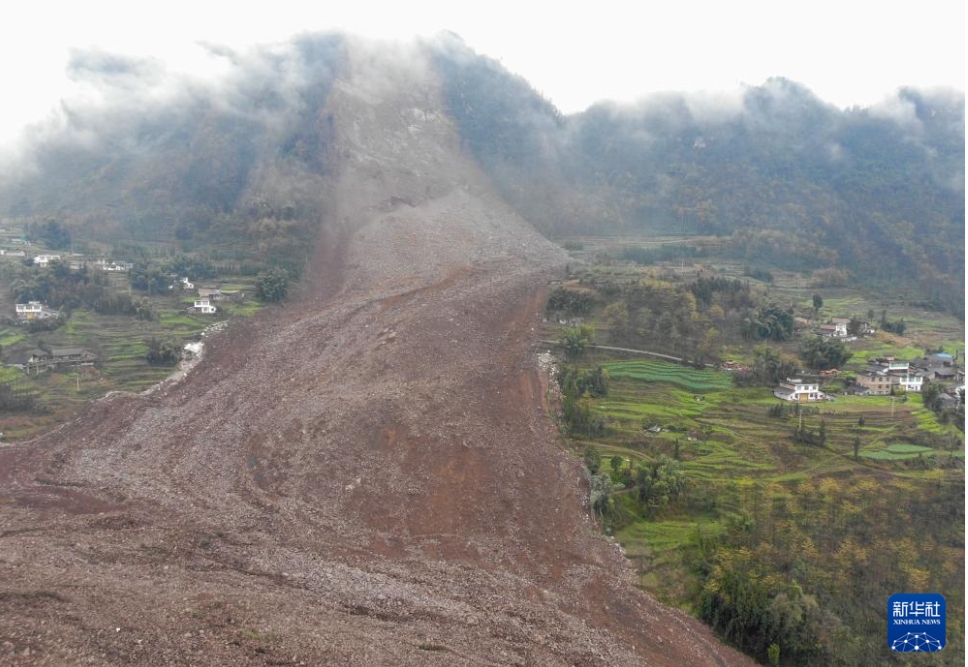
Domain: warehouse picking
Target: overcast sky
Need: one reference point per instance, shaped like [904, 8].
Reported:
[847, 51]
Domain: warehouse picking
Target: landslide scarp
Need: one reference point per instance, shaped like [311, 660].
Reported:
[366, 476]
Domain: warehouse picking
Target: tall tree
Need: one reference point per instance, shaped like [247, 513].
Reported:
[574, 340]
[272, 285]
[817, 304]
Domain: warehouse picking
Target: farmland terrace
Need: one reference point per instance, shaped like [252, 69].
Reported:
[365, 477]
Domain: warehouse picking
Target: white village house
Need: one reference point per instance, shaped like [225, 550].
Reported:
[796, 390]
[186, 284]
[34, 310]
[836, 328]
[219, 294]
[114, 267]
[911, 381]
[204, 306]
[45, 260]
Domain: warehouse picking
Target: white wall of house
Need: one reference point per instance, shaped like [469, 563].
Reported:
[204, 306]
[911, 382]
[798, 391]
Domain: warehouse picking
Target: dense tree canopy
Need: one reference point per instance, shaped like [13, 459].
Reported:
[52, 234]
[272, 284]
[824, 353]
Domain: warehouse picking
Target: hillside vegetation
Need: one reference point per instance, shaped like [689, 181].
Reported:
[784, 526]
[774, 172]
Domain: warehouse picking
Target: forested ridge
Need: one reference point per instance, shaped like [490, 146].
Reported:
[780, 176]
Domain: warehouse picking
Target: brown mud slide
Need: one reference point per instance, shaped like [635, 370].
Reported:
[365, 476]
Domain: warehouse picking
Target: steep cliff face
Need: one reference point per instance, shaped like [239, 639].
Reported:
[367, 476]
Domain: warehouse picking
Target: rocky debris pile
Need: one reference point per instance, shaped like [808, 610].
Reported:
[306, 496]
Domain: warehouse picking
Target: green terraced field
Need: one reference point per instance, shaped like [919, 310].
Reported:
[749, 472]
[666, 536]
[898, 452]
[726, 440]
[692, 379]
[8, 338]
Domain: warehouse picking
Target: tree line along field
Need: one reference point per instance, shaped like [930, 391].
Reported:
[768, 535]
[120, 342]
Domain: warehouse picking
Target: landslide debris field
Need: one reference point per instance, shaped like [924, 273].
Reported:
[366, 476]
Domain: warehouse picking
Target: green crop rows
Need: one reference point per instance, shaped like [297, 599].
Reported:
[692, 379]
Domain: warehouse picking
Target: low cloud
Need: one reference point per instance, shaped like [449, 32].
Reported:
[111, 97]
[900, 111]
[714, 107]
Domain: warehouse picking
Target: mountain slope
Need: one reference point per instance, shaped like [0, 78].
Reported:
[366, 476]
[781, 177]
[148, 155]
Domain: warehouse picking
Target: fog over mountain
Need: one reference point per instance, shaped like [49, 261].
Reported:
[783, 177]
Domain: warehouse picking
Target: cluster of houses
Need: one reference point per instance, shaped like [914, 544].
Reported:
[35, 310]
[203, 304]
[40, 359]
[74, 261]
[887, 376]
[206, 295]
[883, 377]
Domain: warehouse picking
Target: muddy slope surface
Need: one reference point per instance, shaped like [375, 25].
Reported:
[366, 476]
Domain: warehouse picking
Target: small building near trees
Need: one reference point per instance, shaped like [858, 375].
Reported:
[34, 310]
[796, 390]
[204, 306]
